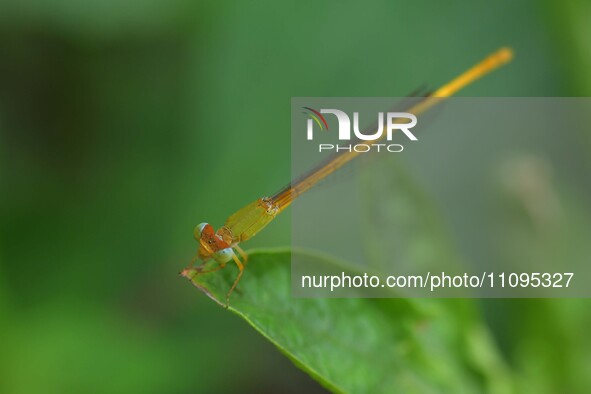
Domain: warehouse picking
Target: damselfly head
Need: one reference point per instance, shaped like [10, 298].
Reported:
[210, 243]
[224, 255]
[199, 230]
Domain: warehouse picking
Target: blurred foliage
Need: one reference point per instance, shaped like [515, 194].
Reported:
[122, 125]
[546, 339]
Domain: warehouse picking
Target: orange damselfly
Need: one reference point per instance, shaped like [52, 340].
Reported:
[221, 245]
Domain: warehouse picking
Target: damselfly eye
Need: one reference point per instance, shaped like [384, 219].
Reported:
[224, 255]
[198, 230]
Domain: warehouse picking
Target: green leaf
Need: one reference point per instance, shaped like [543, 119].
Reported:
[362, 344]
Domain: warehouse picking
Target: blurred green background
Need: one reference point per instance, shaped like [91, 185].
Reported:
[124, 124]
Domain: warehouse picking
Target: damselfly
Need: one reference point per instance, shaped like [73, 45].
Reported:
[221, 245]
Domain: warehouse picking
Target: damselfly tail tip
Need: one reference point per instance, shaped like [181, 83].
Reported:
[491, 62]
[504, 55]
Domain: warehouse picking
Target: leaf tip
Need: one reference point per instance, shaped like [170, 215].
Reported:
[188, 273]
